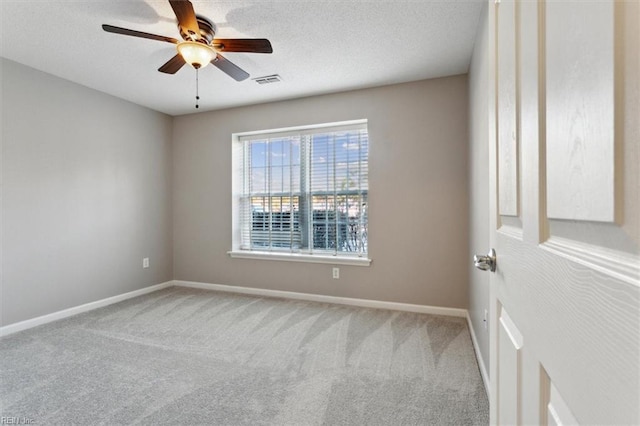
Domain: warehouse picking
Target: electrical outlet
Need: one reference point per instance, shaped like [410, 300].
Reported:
[145, 262]
[486, 320]
[336, 273]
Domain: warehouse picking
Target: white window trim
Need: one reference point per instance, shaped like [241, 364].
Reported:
[299, 257]
[238, 253]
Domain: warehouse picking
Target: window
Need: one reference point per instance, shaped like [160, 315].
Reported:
[303, 193]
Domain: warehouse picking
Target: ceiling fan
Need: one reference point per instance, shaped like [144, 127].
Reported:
[199, 47]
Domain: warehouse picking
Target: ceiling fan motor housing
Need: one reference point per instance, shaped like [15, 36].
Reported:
[207, 30]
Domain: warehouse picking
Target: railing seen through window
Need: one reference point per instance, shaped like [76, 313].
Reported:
[306, 191]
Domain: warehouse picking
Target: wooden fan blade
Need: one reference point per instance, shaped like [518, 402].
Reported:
[186, 17]
[229, 68]
[125, 31]
[252, 45]
[173, 65]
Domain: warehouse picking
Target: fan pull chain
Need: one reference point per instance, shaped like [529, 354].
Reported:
[197, 94]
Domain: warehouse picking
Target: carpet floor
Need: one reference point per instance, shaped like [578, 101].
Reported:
[186, 356]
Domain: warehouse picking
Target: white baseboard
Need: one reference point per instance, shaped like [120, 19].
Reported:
[476, 348]
[364, 303]
[44, 319]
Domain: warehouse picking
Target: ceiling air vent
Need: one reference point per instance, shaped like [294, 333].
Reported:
[275, 78]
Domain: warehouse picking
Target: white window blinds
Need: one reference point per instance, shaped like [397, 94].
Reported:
[305, 190]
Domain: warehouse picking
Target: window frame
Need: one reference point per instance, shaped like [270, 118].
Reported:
[238, 166]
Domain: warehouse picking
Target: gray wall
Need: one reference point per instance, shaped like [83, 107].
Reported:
[86, 194]
[479, 183]
[418, 194]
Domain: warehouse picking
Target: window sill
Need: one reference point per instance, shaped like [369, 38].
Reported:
[293, 257]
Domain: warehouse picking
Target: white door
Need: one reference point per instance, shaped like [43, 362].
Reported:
[565, 136]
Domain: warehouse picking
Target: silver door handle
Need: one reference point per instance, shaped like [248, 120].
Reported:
[486, 263]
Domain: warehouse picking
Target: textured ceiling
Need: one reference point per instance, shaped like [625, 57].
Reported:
[319, 46]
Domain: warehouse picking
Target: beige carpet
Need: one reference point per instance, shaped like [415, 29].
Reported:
[185, 356]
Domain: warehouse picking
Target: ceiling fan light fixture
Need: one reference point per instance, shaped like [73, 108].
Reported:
[196, 54]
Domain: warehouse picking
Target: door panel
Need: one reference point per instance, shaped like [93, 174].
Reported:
[570, 280]
[510, 344]
[558, 413]
[507, 130]
[579, 110]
